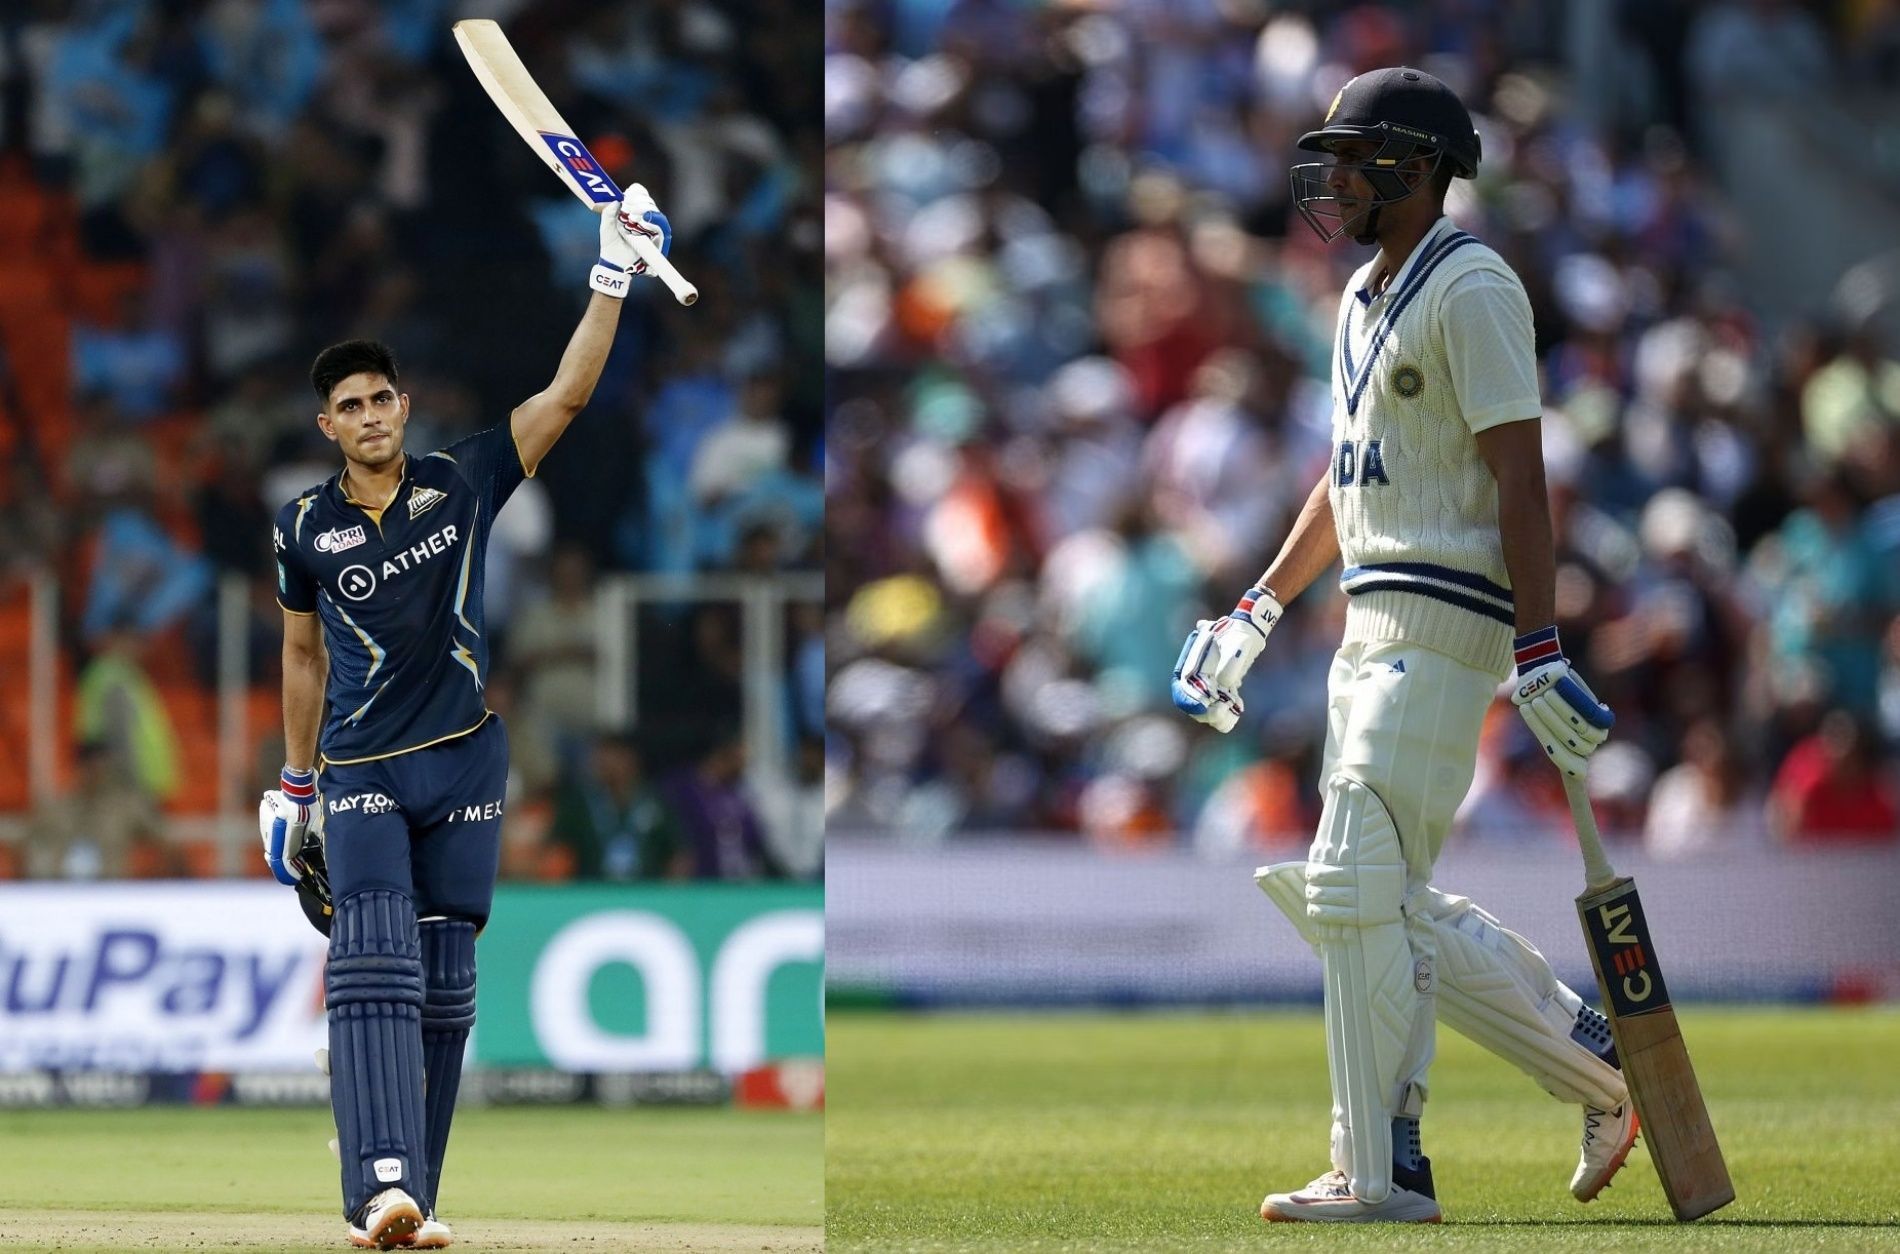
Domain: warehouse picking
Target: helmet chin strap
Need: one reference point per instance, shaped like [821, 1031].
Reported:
[1370, 233]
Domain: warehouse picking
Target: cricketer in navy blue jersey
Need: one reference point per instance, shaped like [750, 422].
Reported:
[398, 587]
[388, 813]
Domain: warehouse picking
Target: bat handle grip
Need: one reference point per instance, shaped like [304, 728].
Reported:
[1597, 871]
[685, 293]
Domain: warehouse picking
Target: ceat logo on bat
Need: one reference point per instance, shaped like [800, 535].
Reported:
[585, 170]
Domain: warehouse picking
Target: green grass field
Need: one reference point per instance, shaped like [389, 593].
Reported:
[1162, 1132]
[517, 1178]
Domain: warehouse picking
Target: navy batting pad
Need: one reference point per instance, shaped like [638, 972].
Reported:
[374, 990]
[448, 1012]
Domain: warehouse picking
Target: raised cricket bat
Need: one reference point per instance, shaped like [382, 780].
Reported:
[1648, 1040]
[528, 110]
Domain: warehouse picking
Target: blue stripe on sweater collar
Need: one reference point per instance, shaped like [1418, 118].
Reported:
[1411, 279]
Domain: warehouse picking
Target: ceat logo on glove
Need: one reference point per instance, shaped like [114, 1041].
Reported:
[1536, 684]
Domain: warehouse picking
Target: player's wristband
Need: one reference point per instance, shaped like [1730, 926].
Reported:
[1537, 648]
[1259, 609]
[609, 279]
[299, 786]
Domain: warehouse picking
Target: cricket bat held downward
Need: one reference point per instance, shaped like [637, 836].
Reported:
[1649, 1041]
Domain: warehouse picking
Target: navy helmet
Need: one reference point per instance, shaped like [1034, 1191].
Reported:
[1408, 114]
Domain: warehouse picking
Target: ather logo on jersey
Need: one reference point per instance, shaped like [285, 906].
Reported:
[419, 552]
[356, 582]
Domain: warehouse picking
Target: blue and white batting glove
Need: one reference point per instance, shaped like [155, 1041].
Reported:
[1561, 711]
[1216, 658]
[635, 215]
[638, 215]
[283, 821]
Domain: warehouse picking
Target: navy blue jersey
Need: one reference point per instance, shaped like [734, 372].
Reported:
[399, 590]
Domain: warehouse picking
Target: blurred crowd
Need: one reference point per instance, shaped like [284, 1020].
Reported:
[198, 195]
[1078, 356]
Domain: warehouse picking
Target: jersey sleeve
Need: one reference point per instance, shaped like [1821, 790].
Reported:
[296, 589]
[489, 462]
[1491, 346]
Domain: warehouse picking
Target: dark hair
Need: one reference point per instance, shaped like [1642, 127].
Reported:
[339, 361]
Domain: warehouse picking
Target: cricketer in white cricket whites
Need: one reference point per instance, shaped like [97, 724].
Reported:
[1435, 501]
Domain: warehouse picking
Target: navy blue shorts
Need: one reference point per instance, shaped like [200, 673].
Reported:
[426, 823]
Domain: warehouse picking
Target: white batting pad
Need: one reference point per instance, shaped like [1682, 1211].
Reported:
[1493, 987]
[1508, 1000]
[1355, 887]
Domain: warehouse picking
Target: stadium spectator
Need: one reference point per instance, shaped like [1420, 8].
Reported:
[1704, 804]
[742, 481]
[553, 647]
[1833, 591]
[518, 554]
[141, 577]
[747, 444]
[723, 837]
[1830, 789]
[1853, 398]
[793, 811]
[614, 823]
[1263, 810]
[105, 827]
[118, 710]
[1515, 797]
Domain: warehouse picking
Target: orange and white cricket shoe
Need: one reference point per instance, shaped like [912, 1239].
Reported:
[1608, 1137]
[390, 1221]
[1329, 1199]
[433, 1235]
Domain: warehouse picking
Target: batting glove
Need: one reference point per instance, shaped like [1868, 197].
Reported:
[1216, 659]
[635, 215]
[283, 822]
[1561, 711]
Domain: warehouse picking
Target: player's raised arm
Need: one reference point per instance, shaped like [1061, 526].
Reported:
[539, 421]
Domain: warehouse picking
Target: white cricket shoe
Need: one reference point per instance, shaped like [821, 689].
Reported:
[1329, 1199]
[1608, 1136]
[433, 1235]
[390, 1221]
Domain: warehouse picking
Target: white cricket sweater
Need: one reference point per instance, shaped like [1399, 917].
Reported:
[1443, 353]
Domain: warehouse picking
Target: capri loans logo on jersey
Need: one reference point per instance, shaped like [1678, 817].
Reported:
[339, 538]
